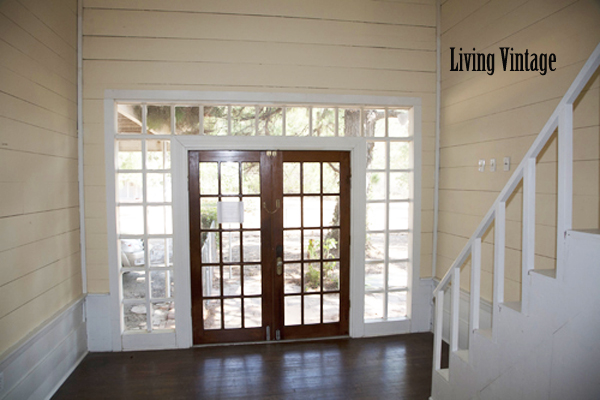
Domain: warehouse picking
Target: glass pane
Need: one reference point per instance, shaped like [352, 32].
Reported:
[212, 314]
[296, 121]
[291, 245]
[398, 246]
[129, 154]
[373, 306]
[252, 313]
[311, 177]
[331, 177]
[375, 246]
[250, 178]
[131, 220]
[209, 178]
[376, 185]
[159, 120]
[251, 212]
[374, 274]
[252, 280]
[399, 189]
[211, 282]
[160, 221]
[292, 310]
[323, 123]
[134, 316]
[160, 252]
[158, 154]
[312, 277]
[158, 188]
[216, 120]
[376, 155]
[163, 315]
[375, 216]
[230, 178]
[251, 246]
[134, 285]
[270, 121]
[132, 252]
[291, 212]
[331, 276]
[291, 278]
[398, 123]
[161, 284]
[399, 155]
[233, 313]
[398, 277]
[210, 247]
[130, 188]
[398, 215]
[243, 121]
[349, 122]
[312, 309]
[187, 120]
[129, 119]
[331, 240]
[374, 123]
[291, 177]
[232, 280]
[312, 211]
[312, 244]
[331, 211]
[230, 246]
[208, 213]
[396, 304]
[331, 307]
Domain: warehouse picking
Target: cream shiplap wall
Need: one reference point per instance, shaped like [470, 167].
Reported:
[484, 117]
[302, 46]
[40, 269]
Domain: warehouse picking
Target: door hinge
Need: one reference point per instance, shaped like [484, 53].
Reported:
[268, 333]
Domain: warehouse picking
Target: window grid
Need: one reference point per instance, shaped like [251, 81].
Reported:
[360, 124]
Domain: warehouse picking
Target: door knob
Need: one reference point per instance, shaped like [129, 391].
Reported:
[279, 266]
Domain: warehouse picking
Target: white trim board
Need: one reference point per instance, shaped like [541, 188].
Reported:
[37, 366]
[180, 145]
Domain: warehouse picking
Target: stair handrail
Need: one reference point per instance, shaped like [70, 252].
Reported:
[587, 71]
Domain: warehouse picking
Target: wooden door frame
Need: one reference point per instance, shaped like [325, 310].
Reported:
[180, 148]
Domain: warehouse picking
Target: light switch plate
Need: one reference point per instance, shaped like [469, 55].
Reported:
[481, 165]
[507, 163]
[493, 165]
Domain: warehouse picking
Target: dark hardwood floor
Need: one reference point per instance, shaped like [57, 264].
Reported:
[393, 367]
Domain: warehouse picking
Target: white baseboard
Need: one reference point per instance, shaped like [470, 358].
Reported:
[99, 322]
[37, 366]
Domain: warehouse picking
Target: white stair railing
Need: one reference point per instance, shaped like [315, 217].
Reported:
[561, 118]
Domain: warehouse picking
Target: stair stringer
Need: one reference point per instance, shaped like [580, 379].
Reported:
[550, 353]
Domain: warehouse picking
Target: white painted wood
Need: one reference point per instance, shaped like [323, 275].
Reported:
[99, 322]
[437, 330]
[528, 246]
[83, 247]
[475, 289]
[499, 249]
[455, 310]
[564, 219]
[37, 366]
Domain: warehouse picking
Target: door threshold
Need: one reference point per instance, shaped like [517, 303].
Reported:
[320, 339]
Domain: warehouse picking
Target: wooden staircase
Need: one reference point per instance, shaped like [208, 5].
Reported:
[548, 344]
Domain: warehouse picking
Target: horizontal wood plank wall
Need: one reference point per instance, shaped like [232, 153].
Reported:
[40, 268]
[300, 46]
[494, 116]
